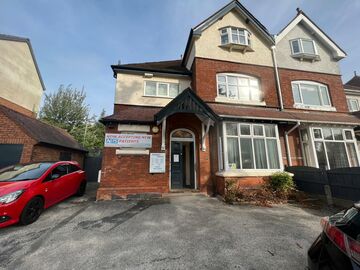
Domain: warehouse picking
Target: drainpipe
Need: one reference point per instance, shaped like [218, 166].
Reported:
[163, 134]
[288, 156]
[278, 87]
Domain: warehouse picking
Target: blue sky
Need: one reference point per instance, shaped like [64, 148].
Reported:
[75, 42]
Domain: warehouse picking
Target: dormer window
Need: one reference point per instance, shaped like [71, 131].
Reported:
[304, 49]
[232, 36]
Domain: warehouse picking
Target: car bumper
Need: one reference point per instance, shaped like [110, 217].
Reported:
[9, 214]
[323, 254]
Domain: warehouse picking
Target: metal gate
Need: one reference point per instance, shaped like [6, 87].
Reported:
[92, 165]
[10, 154]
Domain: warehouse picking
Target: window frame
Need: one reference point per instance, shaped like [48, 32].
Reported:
[301, 47]
[246, 35]
[324, 140]
[157, 89]
[318, 85]
[226, 166]
[238, 85]
[349, 103]
[49, 175]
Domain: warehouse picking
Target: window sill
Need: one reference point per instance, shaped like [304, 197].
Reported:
[147, 96]
[237, 101]
[315, 108]
[306, 56]
[234, 46]
[247, 173]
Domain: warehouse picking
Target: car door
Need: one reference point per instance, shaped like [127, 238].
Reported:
[73, 179]
[53, 185]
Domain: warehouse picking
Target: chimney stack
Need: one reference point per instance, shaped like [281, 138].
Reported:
[355, 73]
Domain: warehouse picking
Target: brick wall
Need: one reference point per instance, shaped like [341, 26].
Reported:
[334, 83]
[46, 153]
[10, 133]
[129, 174]
[16, 107]
[204, 78]
[294, 145]
[249, 182]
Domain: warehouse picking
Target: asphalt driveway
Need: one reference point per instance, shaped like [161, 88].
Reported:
[186, 232]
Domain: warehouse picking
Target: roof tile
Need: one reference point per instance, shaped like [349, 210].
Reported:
[42, 132]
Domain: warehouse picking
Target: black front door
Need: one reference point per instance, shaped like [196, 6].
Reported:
[177, 164]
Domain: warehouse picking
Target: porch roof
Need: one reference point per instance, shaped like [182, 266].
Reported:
[242, 112]
[186, 102]
[146, 114]
[133, 114]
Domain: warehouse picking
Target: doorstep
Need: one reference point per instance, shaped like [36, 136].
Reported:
[183, 192]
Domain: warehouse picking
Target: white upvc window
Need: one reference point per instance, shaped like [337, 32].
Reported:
[161, 89]
[234, 35]
[251, 146]
[353, 104]
[303, 46]
[311, 94]
[334, 147]
[238, 87]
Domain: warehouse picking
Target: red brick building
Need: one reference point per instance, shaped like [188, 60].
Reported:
[23, 138]
[241, 104]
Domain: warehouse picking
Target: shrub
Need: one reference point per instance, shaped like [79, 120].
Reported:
[281, 182]
[230, 191]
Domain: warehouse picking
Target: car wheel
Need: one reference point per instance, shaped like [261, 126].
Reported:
[81, 190]
[32, 211]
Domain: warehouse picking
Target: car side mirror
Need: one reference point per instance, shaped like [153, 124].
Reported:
[55, 176]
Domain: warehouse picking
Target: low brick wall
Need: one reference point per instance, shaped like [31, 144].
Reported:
[249, 182]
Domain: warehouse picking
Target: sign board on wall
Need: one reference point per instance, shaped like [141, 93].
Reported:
[157, 162]
[133, 140]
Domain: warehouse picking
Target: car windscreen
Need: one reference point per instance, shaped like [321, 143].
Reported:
[23, 172]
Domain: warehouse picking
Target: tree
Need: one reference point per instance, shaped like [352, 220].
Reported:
[91, 134]
[67, 109]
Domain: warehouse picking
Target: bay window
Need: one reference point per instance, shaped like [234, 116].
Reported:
[303, 46]
[161, 89]
[309, 94]
[234, 35]
[335, 148]
[239, 87]
[251, 146]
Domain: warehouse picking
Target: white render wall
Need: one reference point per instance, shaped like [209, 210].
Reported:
[327, 63]
[208, 45]
[19, 80]
[130, 89]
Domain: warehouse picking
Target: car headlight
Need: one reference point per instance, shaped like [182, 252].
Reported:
[8, 198]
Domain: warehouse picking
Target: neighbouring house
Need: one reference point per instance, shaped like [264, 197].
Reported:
[241, 104]
[352, 92]
[23, 138]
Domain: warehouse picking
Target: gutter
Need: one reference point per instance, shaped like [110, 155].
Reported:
[278, 86]
[288, 156]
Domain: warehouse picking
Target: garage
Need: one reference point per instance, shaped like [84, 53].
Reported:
[10, 154]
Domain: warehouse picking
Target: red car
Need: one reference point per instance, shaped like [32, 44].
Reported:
[27, 189]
